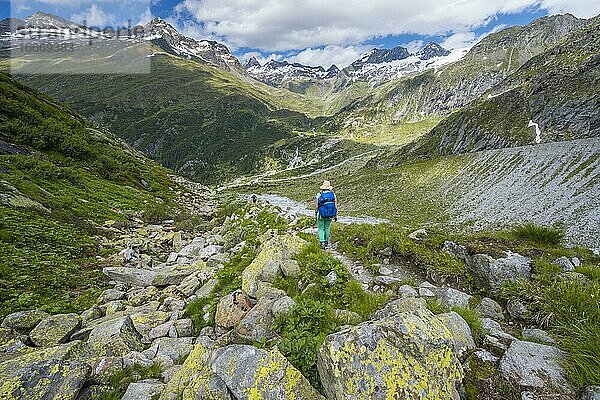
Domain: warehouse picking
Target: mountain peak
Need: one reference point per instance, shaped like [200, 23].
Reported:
[432, 50]
[45, 20]
[252, 63]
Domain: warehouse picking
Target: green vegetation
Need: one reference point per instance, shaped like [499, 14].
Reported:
[229, 278]
[367, 243]
[538, 235]
[469, 315]
[60, 183]
[210, 116]
[314, 317]
[570, 309]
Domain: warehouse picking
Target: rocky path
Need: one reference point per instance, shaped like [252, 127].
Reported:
[141, 321]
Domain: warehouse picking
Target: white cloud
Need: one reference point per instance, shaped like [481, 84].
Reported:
[145, 17]
[94, 17]
[342, 56]
[280, 25]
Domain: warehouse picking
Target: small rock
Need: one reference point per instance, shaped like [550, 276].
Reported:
[91, 314]
[176, 349]
[527, 395]
[591, 393]
[494, 345]
[115, 338]
[576, 262]
[110, 295]
[184, 327]
[424, 292]
[257, 324]
[454, 298]
[456, 250]
[387, 252]
[130, 276]
[331, 277]
[516, 309]
[290, 268]
[105, 367]
[161, 330]
[488, 308]
[142, 296]
[492, 273]
[386, 280]
[143, 390]
[209, 251]
[537, 335]
[112, 307]
[565, 264]
[55, 329]
[407, 291]
[385, 271]
[217, 259]
[193, 248]
[206, 290]
[127, 255]
[283, 305]
[418, 234]
[232, 308]
[189, 285]
[168, 278]
[135, 358]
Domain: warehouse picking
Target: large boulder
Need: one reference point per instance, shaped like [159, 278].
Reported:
[493, 272]
[177, 349]
[55, 329]
[24, 321]
[252, 373]
[399, 306]
[534, 365]
[115, 338]
[409, 355]
[47, 373]
[195, 379]
[232, 308]
[130, 276]
[257, 325]
[171, 277]
[273, 252]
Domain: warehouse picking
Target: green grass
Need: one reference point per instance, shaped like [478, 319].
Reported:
[570, 310]
[538, 235]
[365, 242]
[71, 179]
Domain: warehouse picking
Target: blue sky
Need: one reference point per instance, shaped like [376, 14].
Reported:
[315, 32]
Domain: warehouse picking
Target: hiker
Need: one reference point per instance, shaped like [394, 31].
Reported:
[325, 212]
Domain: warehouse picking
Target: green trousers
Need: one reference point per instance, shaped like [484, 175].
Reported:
[324, 229]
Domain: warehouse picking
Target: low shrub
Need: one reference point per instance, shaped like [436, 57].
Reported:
[538, 235]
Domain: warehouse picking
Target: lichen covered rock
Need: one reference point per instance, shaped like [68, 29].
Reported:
[55, 329]
[232, 308]
[46, 373]
[251, 374]
[24, 321]
[407, 356]
[274, 251]
[115, 338]
[195, 380]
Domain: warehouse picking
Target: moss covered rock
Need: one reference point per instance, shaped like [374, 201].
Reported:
[55, 329]
[406, 356]
[48, 373]
[275, 251]
[24, 321]
[255, 374]
[195, 380]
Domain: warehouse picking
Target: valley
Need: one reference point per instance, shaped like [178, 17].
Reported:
[134, 263]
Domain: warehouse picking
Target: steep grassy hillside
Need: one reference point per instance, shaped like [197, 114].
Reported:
[558, 89]
[192, 117]
[436, 93]
[60, 180]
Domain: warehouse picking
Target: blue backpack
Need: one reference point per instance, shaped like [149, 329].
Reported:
[327, 208]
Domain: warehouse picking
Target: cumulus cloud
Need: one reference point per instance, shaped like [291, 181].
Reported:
[145, 17]
[280, 25]
[94, 16]
[342, 56]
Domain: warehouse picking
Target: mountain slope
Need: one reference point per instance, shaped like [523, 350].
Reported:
[559, 90]
[189, 116]
[61, 179]
[435, 93]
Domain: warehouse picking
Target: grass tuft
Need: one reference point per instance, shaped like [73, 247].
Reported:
[538, 235]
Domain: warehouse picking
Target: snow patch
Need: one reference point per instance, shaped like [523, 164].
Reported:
[538, 132]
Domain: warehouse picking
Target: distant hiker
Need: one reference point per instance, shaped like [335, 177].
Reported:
[254, 199]
[325, 212]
